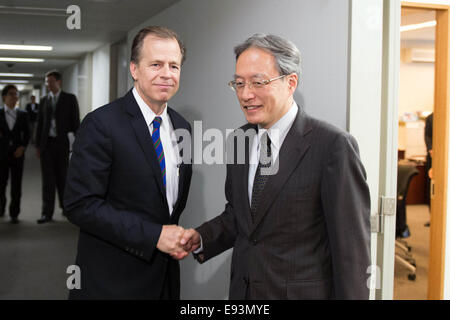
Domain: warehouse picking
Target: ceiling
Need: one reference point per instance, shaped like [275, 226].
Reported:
[418, 38]
[43, 22]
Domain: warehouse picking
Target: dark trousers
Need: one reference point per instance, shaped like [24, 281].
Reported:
[15, 166]
[54, 164]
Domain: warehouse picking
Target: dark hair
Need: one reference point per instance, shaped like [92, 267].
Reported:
[160, 32]
[7, 88]
[55, 74]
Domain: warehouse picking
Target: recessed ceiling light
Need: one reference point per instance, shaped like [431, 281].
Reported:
[25, 75]
[423, 25]
[13, 81]
[21, 59]
[25, 47]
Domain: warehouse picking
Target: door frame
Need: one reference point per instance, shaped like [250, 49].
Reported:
[441, 119]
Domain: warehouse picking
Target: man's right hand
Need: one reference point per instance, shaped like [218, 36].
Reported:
[190, 240]
[169, 241]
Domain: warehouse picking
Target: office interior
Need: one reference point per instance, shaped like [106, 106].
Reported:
[333, 37]
[416, 103]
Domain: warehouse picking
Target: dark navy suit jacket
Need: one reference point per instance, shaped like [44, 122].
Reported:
[115, 195]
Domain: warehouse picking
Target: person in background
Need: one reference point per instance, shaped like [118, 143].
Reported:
[32, 109]
[14, 138]
[58, 117]
[429, 144]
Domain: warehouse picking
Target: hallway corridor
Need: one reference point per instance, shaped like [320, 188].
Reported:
[34, 258]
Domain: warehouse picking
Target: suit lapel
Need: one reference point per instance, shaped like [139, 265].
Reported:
[292, 152]
[3, 123]
[144, 138]
[178, 123]
[244, 175]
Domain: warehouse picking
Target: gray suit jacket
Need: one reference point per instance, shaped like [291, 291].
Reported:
[311, 235]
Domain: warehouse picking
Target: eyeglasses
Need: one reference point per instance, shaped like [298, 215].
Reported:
[238, 85]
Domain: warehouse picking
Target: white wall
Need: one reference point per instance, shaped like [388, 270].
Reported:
[100, 76]
[77, 79]
[364, 103]
[416, 91]
[70, 79]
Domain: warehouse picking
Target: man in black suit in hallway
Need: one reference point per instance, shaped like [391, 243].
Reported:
[14, 137]
[32, 109]
[127, 185]
[58, 117]
[298, 209]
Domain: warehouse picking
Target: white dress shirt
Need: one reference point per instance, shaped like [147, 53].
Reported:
[169, 143]
[10, 116]
[277, 133]
[53, 98]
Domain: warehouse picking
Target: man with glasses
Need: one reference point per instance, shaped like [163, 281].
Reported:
[14, 137]
[298, 209]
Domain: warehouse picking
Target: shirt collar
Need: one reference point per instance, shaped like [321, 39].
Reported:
[147, 112]
[279, 130]
[54, 95]
[4, 107]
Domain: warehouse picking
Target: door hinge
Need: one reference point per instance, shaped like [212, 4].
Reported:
[388, 207]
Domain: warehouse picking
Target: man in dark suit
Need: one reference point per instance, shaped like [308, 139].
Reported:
[127, 186]
[32, 109]
[14, 137]
[298, 208]
[58, 117]
[428, 136]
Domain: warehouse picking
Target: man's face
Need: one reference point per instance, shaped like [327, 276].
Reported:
[266, 105]
[33, 99]
[52, 84]
[157, 74]
[11, 98]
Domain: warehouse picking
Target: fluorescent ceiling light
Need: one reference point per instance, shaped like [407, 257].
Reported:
[14, 81]
[21, 59]
[423, 25]
[24, 47]
[27, 75]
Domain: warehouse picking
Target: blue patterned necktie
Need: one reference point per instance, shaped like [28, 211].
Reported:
[159, 147]
[265, 153]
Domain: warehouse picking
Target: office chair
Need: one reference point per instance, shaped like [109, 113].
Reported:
[405, 174]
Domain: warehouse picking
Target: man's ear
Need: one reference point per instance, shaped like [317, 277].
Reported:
[292, 82]
[133, 67]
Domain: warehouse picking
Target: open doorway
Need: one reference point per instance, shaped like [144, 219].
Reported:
[416, 106]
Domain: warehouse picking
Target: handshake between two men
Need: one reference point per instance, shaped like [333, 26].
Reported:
[177, 241]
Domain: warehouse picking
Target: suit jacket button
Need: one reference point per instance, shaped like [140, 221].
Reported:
[254, 242]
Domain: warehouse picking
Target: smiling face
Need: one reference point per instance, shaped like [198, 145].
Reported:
[266, 105]
[157, 74]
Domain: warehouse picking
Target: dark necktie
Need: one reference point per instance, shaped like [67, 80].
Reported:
[265, 160]
[159, 147]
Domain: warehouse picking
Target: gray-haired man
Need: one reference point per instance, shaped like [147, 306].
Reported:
[302, 232]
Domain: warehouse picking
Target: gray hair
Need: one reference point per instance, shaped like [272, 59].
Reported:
[286, 54]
